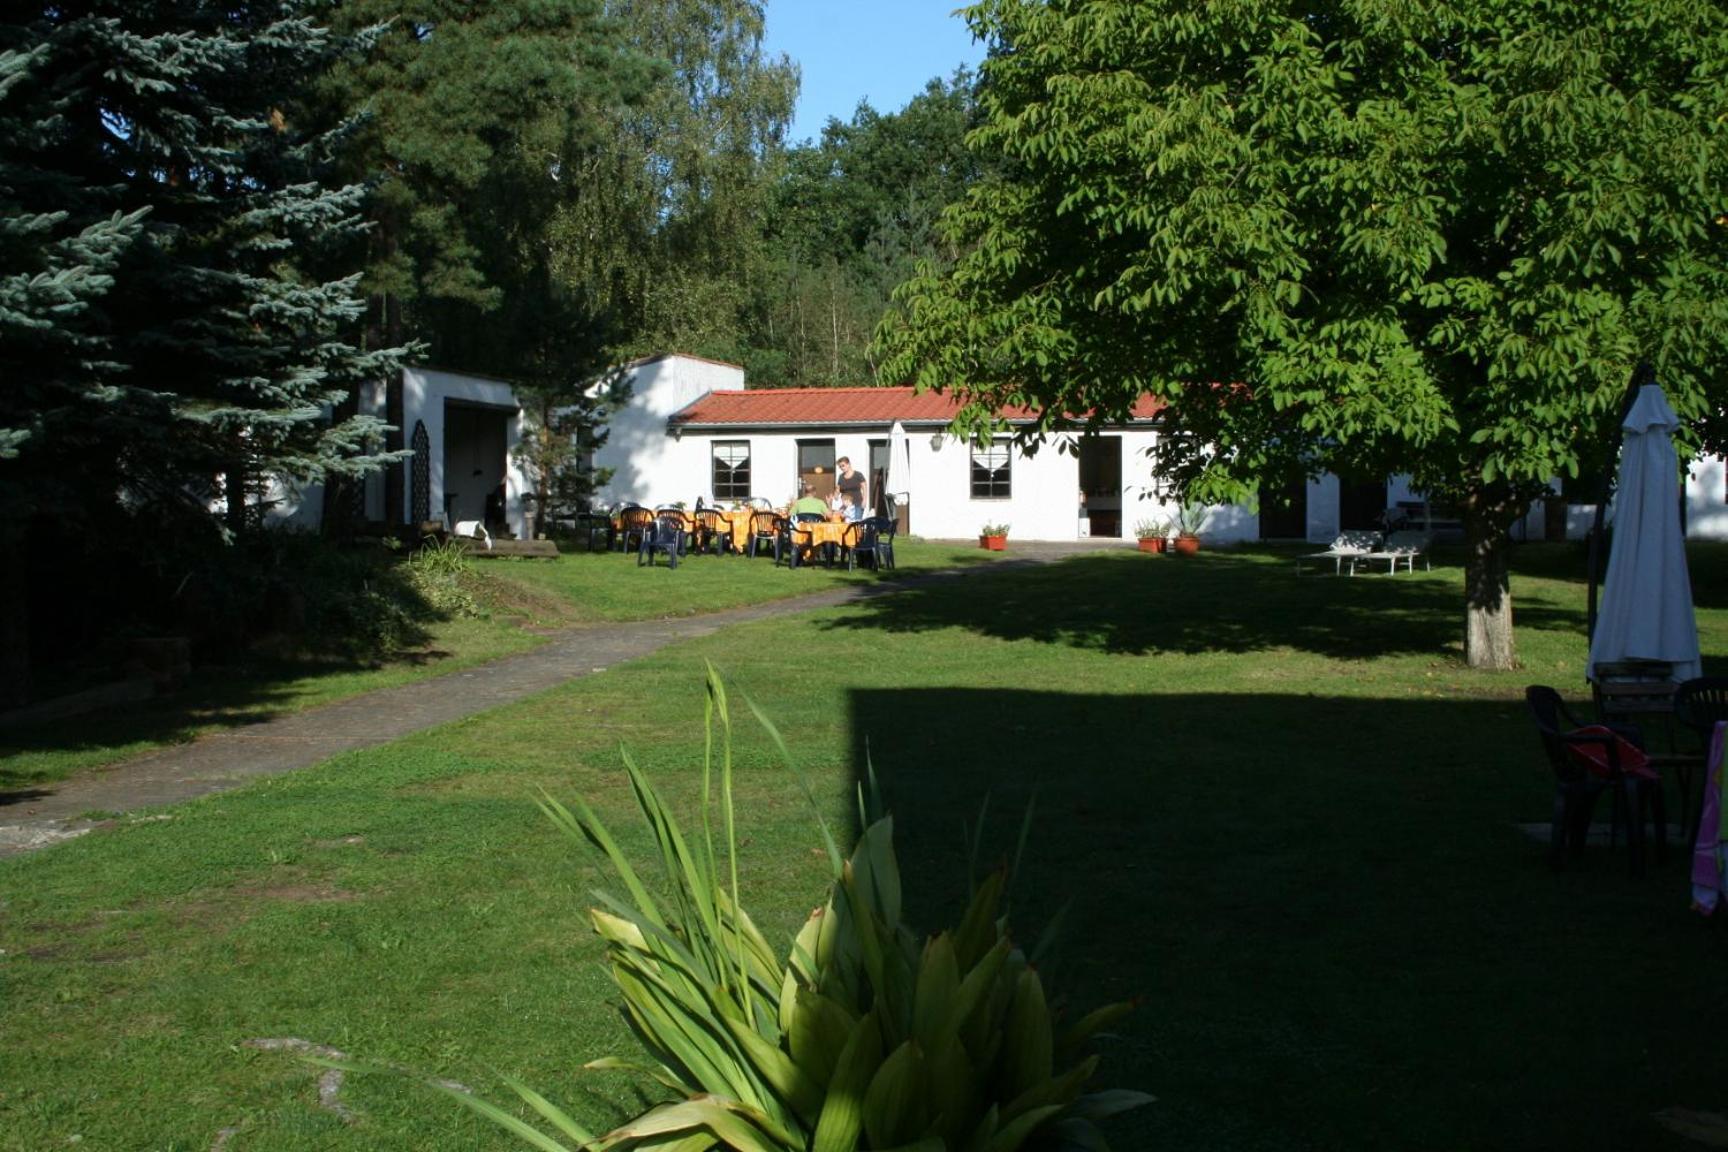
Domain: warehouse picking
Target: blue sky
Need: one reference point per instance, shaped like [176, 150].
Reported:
[881, 50]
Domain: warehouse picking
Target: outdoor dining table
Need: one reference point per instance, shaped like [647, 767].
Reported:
[813, 534]
[737, 521]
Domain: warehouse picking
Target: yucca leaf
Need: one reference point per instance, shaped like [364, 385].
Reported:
[819, 1032]
[720, 1116]
[656, 1072]
[559, 1118]
[974, 844]
[584, 825]
[1027, 1045]
[1090, 1024]
[977, 989]
[842, 1116]
[1051, 934]
[1060, 1090]
[954, 1088]
[894, 1103]
[1014, 1133]
[1110, 1101]
[977, 932]
[780, 1072]
[518, 1128]
[938, 989]
[1025, 832]
[834, 855]
[877, 873]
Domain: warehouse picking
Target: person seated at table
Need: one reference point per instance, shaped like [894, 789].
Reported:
[808, 501]
[854, 490]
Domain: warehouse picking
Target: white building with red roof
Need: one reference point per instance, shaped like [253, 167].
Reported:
[692, 429]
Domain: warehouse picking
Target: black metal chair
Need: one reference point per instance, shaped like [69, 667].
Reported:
[665, 534]
[1698, 705]
[1576, 786]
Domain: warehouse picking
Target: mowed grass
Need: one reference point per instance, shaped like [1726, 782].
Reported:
[525, 597]
[603, 586]
[1278, 810]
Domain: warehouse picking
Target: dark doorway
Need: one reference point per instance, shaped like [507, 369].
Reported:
[1361, 504]
[878, 477]
[1284, 510]
[816, 466]
[475, 450]
[1101, 484]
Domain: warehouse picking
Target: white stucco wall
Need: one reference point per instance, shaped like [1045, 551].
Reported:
[1707, 499]
[648, 465]
[425, 392]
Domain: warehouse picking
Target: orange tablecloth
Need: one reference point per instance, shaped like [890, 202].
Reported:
[738, 524]
[817, 533]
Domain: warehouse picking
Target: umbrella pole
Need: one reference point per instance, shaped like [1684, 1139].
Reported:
[1641, 375]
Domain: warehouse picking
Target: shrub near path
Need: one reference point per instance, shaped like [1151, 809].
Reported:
[1297, 842]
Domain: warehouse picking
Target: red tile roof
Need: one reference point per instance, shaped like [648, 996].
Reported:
[768, 407]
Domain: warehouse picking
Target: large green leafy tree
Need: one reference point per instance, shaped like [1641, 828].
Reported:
[1433, 238]
[174, 313]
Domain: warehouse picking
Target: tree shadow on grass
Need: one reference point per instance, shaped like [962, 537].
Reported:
[1236, 601]
[1340, 934]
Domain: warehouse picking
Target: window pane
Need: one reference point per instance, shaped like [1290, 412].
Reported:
[991, 469]
[731, 469]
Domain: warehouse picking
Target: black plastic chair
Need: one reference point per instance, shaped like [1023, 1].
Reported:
[1698, 705]
[594, 527]
[710, 533]
[864, 542]
[884, 526]
[634, 521]
[1576, 786]
[665, 534]
[766, 531]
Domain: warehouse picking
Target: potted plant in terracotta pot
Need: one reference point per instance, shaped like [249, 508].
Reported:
[993, 537]
[1188, 523]
[1152, 534]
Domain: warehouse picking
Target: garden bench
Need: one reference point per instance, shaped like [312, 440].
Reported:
[1351, 546]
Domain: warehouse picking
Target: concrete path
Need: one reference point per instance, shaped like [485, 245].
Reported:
[229, 759]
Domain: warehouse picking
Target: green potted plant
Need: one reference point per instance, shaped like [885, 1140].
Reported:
[993, 537]
[1152, 534]
[1188, 524]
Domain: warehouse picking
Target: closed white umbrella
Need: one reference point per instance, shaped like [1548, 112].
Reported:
[899, 484]
[1647, 597]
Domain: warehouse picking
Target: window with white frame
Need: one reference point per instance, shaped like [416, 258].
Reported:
[731, 469]
[991, 471]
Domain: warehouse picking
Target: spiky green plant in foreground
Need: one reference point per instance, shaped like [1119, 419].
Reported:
[863, 1039]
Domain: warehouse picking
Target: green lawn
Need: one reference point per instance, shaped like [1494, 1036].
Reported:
[539, 594]
[600, 586]
[1282, 812]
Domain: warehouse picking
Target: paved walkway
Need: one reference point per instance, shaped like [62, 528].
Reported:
[229, 759]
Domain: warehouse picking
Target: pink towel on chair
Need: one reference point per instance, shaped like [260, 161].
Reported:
[1709, 861]
[1594, 757]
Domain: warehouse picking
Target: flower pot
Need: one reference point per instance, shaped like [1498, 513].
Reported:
[1151, 543]
[993, 543]
[1187, 545]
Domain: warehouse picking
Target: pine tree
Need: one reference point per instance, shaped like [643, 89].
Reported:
[174, 315]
